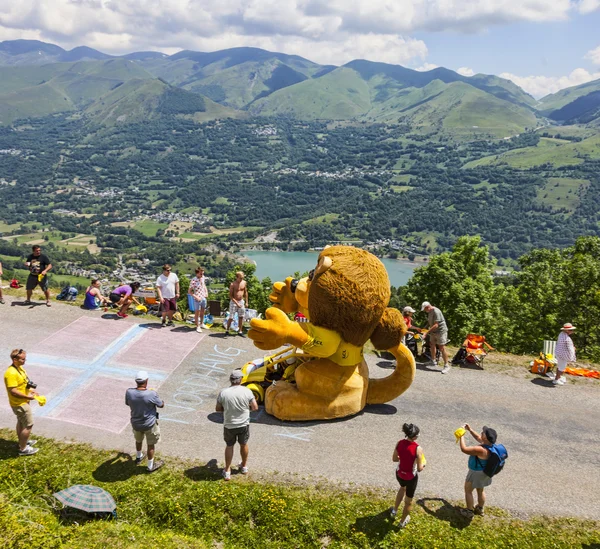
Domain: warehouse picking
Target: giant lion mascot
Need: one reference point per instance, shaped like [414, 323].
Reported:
[345, 299]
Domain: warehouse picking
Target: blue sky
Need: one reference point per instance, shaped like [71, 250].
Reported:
[542, 45]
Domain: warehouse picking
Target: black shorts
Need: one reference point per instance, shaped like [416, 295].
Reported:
[115, 298]
[239, 434]
[410, 485]
[32, 282]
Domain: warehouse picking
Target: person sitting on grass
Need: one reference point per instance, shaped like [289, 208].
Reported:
[409, 457]
[93, 297]
[122, 297]
[476, 478]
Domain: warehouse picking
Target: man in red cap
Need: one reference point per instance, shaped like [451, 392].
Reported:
[565, 352]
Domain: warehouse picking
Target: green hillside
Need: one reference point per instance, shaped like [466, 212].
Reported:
[345, 94]
[548, 151]
[558, 100]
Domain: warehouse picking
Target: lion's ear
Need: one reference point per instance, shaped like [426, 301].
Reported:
[389, 331]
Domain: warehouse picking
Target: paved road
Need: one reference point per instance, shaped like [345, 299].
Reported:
[551, 433]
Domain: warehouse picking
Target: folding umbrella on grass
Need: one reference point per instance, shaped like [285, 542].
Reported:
[90, 499]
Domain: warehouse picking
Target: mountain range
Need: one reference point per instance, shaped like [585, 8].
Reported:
[38, 79]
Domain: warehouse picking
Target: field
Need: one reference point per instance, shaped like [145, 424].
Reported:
[149, 227]
[548, 151]
[562, 192]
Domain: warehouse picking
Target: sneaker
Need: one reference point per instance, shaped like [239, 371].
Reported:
[204, 327]
[139, 460]
[559, 381]
[478, 510]
[122, 315]
[163, 323]
[170, 323]
[48, 304]
[241, 334]
[157, 465]
[446, 368]
[405, 522]
[393, 513]
[31, 442]
[199, 329]
[2, 301]
[29, 451]
[243, 470]
[226, 333]
[226, 475]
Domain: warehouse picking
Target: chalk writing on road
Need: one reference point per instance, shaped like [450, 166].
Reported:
[202, 383]
[303, 433]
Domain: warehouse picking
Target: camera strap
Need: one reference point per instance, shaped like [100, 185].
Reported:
[22, 374]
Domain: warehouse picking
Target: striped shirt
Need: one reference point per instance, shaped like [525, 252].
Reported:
[565, 350]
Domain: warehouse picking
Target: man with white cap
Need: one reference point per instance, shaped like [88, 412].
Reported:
[236, 402]
[144, 419]
[438, 333]
[564, 353]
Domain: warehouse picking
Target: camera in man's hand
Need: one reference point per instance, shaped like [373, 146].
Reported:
[31, 385]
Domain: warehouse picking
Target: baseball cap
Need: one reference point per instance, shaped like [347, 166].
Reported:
[425, 304]
[408, 309]
[490, 434]
[142, 375]
[235, 375]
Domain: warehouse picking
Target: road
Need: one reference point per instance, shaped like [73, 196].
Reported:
[551, 433]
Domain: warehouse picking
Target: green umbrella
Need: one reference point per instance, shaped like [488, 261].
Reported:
[87, 498]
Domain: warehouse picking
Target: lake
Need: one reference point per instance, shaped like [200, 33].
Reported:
[280, 265]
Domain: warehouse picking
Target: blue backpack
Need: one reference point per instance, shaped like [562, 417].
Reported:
[496, 460]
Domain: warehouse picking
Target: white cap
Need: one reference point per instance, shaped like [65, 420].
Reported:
[425, 304]
[141, 376]
[408, 309]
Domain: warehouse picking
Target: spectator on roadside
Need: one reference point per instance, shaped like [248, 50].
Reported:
[199, 293]
[143, 403]
[564, 353]
[167, 286]
[123, 297]
[20, 393]
[236, 402]
[409, 457]
[93, 296]
[38, 265]
[476, 478]
[238, 301]
[438, 334]
[1, 296]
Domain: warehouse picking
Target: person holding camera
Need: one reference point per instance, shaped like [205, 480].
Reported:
[21, 391]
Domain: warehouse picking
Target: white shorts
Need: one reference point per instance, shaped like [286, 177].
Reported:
[235, 310]
[561, 364]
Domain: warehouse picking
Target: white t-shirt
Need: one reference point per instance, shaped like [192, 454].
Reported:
[167, 285]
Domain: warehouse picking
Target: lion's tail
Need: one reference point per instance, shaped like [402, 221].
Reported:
[388, 388]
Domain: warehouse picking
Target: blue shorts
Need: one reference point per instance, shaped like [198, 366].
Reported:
[201, 304]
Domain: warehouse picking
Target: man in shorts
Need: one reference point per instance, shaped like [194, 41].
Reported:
[476, 478]
[238, 301]
[20, 394]
[144, 419]
[236, 402]
[38, 265]
[1, 296]
[167, 286]
[438, 334]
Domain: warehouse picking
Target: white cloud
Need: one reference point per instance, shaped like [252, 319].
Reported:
[426, 67]
[465, 71]
[333, 31]
[588, 6]
[539, 86]
[594, 56]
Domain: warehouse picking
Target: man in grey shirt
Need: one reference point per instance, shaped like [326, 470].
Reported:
[144, 419]
[236, 402]
[438, 334]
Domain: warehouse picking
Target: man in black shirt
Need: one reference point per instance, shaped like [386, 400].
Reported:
[38, 265]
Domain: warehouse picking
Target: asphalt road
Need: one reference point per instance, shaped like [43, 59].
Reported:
[551, 433]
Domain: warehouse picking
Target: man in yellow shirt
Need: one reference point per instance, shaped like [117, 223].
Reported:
[20, 393]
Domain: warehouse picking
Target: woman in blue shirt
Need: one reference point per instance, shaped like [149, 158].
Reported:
[476, 478]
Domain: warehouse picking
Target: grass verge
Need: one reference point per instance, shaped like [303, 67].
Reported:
[188, 505]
